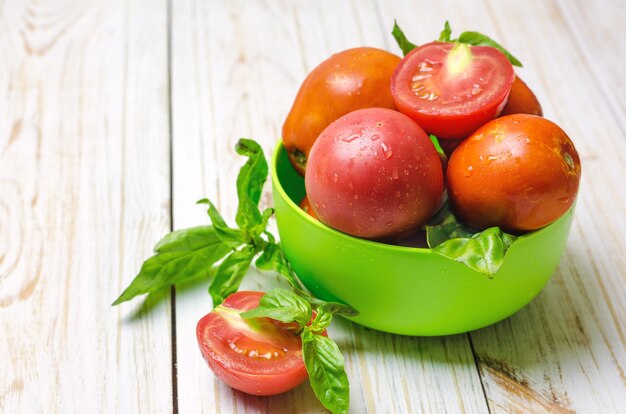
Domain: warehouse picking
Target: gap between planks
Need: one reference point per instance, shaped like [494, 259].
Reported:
[171, 206]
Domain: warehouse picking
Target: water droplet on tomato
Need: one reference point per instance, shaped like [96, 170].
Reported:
[389, 223]
[394, 173]
[371, 219]
[375, 137]
[387, 152]
[335, 178]
[350, 138]
[324, 205]
[469, 171]
[356, 196]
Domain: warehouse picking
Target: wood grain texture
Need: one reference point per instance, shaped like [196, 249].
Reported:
[565, 352]
[236, 68]
[84, 185]
[85, 116]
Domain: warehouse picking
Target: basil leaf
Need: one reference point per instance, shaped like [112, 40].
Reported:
[258, 229]
[322, 321]
[230, 273]
[437, 145]
[230, 236]
[325, 365]
[445, 34]
[250, 180]
[282, 305]
[401, 39]
[274, 259]
[334, 308]
[479, 39]
[181, 255]
[483, 252]
[447, 227]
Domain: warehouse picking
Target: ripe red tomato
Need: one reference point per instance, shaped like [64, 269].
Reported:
[374, 173]
[522, 100]
[451, 89]
[349, 80]
[519, 172]
[260, 356]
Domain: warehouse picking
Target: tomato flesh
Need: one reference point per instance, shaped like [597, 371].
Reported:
[258, 356]
[452, 89]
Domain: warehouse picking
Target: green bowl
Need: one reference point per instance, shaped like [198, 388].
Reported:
[406, 290]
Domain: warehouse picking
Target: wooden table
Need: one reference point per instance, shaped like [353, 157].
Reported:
[115, 117]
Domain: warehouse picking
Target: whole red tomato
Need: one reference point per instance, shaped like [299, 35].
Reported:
[349, 80]
[522, 100]
[520, 172]
[374, 173]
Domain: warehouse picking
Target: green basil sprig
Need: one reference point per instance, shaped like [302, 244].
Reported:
[482, 251]
[322, 357]
[193, 253]
[181, 255]
[470, 38]
[401, 39]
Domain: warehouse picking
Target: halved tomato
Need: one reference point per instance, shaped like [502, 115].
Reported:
[257, 356]
[451, 89]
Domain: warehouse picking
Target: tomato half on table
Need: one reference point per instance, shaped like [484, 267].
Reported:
[257, 356]
[451, 89]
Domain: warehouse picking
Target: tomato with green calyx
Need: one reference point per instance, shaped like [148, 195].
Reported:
[375, 174]
[451, 89]
[257, 356]
[522, 100]
[519, 172]
[353, 79]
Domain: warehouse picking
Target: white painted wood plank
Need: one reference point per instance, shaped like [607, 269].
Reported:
[84, 189]
[236, 69]
[566, 350]
[594, 26]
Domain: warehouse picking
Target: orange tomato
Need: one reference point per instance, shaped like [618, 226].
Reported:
[521, 100]
[305, 205]
[520, 172]
[349, 80]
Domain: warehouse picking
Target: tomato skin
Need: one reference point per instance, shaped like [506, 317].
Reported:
[520, 172]
[353, 79]
[305, 205]
[522, 100]
[226, 347]
[458, 108]
[374, 173]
